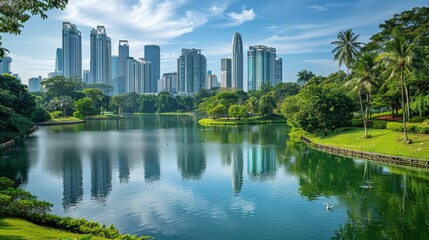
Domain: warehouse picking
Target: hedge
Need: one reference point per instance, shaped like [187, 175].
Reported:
[411, 128]
[379, 124]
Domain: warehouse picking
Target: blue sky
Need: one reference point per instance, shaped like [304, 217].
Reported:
[301, 31]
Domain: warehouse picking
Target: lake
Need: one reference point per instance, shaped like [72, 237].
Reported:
[168, 177]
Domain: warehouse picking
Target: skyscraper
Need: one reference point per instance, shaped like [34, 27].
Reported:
[211, 80]
[86, 77]
[261, 62]
[5, 65]
[115, 74]
[59, 61]
[152, 53]
[191, 70]
[226, 76]
[169, 82]
[72, 51]
[34, 84]
[101, 56]
[145, 71]
[124, 53]
[279, 70]
[237, 62]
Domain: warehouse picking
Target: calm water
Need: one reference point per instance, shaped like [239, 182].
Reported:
[168, 177]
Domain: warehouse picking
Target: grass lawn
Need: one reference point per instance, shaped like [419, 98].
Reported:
[382, 141]
[106, 116]
[62, 120]
[17, 229]
[243, 121]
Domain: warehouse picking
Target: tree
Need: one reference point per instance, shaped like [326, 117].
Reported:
[304, 76]
[363, 82]
[347, 48]
[13, 14]
[85, 107]
[61, 86]
[236, 111]
[96, 95]
[399, 59]
[267, 104]
[252, 105]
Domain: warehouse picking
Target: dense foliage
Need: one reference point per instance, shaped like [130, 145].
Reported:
[16, 202]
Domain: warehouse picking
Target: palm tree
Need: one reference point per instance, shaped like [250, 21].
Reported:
[252, 105]
[399, 58]
[363, 82]
[347, 48]
[304, 76]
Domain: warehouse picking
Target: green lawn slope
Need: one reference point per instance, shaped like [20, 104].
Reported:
[18, 229]
[382, 141]
[244, 121]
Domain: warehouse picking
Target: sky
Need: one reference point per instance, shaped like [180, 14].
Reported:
[301, 31]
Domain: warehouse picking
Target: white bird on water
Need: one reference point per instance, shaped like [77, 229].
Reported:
[329, 207]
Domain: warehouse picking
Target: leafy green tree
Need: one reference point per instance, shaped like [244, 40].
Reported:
[236, 111]
[147, 104]
[165, 102]
[15, 13]
[252, 105]
[97, 97]
[347, 48]
[85, 107]
[398, 59]
[119, 102]
[61, 86]
[218, 111]
[267, 104]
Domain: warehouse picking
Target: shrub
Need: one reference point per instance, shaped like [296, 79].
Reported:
[379, 124]
[357, 122]
[56, 114]
[78, 114]
[411, 128]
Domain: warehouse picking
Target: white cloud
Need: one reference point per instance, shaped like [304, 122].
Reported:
[237, 19]
[318, 8]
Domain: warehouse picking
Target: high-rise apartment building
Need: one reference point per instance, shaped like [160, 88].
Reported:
[59, 61]
[191, 71]
[279, 70]
[261, 69]
[34, 84]
[101, 56]
[145, 85]
[72, 51]
[139, 72]
[226, 72]
[115, 74]
[124, 53]
[237, 62]
[5, 65]
[169, 82]
[211, 80]
[86, 77]
[152, 53]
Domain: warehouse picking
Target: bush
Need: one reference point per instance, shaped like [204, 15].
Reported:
[41, 115]
[379, 124]
[357, 122]
[78, 114]
[411, 128]
[56, 114]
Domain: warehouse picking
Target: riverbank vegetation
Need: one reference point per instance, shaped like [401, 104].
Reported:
[244, 121]
[19, 203]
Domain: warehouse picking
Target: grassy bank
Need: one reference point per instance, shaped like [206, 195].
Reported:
[62, 120]
[106, 116]
[382, 141]
[14, 228]
[243, 121]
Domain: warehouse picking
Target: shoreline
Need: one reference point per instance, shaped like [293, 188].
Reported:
[377, 157]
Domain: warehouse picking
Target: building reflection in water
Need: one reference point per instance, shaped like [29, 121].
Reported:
[190, 154]
[237, 170]
[72, 177]
[124, 169]
[261, 163]
[152, 169]
[101, 174]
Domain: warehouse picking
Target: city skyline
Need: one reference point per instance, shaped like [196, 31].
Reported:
[302, 38]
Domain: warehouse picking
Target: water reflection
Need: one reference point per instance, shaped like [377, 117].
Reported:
[72, 178]
[152, 168]
[101, 174]
[190, 153]
[261, 163]
[124, 169]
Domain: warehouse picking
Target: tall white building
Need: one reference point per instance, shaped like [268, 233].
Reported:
[72, 51]
[34, 84]
[169, 82]
[124, 53]
[226, 74]
[261, 69]
[101, 56]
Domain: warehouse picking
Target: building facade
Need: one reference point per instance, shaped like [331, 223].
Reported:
[226, 72]
[211, 80]
[279, 70]
[152, 53]
[86, 76]
[5, 65]
[34, 84]
[72, 51]
[191, 71]
[101, 56]
[59, 61]
[169, 82]
[261, 69]
[237, 62]
[124, 53]
[115, 74]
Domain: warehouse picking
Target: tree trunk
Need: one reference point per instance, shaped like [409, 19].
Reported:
[404, 120]
[407, 96]
[363, 114]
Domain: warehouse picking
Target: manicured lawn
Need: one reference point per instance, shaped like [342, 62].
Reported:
[243, 121]
[62, 120]
[382, 141]
[106, 116]
[17, 229]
